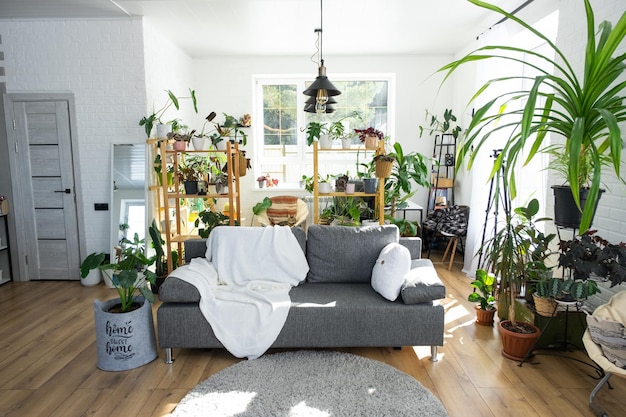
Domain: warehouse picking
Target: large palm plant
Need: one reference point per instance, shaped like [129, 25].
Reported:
[586, 112]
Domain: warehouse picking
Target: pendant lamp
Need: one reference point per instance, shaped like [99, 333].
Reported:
[322, 89]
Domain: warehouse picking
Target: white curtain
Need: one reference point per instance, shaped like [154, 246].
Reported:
[531, 182]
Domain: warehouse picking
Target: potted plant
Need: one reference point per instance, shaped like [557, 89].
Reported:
[160, 260]
[210, 220]
[191, 170]
[590, 254]
[327, 132]
[370, 137]
[230, 129]
[124, 328]
[485, 284]
[586, 112]
[149, 121]
[384, 165]
[445, 126]
[180, 139]
[566, 212]
[506, 256]
[408, 169]
[261, 180]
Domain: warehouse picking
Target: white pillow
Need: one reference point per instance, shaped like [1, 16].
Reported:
[393, 263]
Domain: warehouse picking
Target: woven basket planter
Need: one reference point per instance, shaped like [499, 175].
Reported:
[545, 307]
[383, 169]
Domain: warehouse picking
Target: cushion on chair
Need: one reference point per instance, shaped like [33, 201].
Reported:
[283, 210]
[611, 336]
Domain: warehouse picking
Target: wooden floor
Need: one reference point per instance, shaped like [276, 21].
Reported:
[48, 364]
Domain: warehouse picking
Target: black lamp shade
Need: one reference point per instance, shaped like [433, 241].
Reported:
[313, 99]
[322, 83]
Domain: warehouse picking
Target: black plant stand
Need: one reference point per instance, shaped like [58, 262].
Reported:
[560, 348]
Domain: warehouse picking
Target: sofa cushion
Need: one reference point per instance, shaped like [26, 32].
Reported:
[388, 273]
[346, 254]
[421, 283]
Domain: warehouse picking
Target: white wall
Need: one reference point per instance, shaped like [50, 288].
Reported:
[225, 85]
[609, 219]
[101, 63]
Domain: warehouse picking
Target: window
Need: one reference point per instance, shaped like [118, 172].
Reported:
[280, 142]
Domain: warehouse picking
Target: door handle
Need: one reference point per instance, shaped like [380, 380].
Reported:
[66, 191]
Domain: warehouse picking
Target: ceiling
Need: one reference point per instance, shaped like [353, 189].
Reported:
[286, 27]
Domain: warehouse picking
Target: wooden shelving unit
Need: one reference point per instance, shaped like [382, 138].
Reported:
[170, 201]
[380, 194]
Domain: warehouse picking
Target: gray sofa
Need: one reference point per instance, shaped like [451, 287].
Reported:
[336, 305]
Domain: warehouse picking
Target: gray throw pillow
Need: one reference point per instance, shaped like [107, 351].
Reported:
[422, 284]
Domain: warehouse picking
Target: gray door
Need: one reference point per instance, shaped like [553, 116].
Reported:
[44, 186]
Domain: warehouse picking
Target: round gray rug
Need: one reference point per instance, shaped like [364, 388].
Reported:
[309, 384]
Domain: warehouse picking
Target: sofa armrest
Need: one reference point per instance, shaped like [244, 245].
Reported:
[194, 248]
[414, 245]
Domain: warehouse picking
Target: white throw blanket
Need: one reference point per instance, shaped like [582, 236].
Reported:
[244, 284]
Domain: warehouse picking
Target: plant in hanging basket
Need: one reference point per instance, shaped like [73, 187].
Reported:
[384, 165]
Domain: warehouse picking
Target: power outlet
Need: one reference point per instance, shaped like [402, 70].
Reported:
[101, 206]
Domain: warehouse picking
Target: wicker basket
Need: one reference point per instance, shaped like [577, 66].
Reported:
[545, 307]
[383, 169]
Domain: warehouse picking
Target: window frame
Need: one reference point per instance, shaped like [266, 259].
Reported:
[304, 155]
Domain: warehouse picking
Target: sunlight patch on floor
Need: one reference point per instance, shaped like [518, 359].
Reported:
[301, 409]
[423, 352]
[456, 313]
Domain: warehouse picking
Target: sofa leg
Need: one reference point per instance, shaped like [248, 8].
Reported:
[433, 354]
[169, 359]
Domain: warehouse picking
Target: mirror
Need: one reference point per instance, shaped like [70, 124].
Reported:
[128, 208]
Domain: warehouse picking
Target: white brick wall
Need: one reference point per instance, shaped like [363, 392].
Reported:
[101, 63]
[611, 211]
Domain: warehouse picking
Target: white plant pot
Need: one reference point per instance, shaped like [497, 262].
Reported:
[92, 279]
[162, 130]
[221, 145]
[325, 142]
[346, 143]
[200, 144]
[106, 277]
[324, 188]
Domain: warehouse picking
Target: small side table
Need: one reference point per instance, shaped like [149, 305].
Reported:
[411, 206]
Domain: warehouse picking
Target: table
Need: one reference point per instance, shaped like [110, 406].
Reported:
[411, 206]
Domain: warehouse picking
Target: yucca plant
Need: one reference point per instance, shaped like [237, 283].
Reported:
[586, 112]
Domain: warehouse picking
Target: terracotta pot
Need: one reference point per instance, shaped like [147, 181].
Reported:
[180, 145]
[516, 345]
[484, 317]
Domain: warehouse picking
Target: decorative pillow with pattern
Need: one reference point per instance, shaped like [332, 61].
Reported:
[611, 336]
[283, 210]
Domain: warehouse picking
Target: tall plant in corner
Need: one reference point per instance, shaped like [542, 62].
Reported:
[586, 112]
